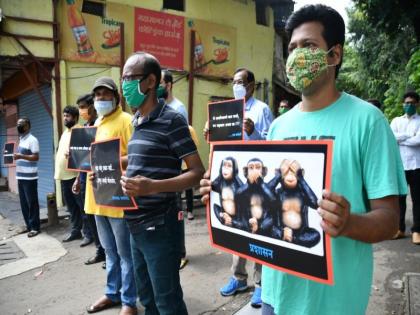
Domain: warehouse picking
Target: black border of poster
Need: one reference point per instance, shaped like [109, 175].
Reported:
[9, 155]
[78, 157]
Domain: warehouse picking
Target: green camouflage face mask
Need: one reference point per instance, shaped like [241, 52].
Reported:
[304, 65]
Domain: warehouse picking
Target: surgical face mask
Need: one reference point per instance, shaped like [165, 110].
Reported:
[239, 91]
[304, 65]
[409, 109]
[103, 108]
[84, 113]
[133, 94]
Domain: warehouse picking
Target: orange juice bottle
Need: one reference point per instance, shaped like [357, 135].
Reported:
[78, 26]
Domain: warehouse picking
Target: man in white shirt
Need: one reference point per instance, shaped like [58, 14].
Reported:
[167, 82]
[406, 129]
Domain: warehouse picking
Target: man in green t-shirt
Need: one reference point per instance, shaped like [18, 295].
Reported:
[367, 174]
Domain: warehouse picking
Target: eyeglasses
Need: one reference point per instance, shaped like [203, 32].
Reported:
[132, 77]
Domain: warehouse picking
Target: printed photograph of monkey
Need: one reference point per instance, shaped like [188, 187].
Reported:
[268, 197]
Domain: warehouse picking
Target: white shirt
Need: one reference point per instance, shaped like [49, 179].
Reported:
[177, 105]
[407, 132]
[27, 170]
[261, 115]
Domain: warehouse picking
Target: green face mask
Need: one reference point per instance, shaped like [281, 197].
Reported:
[283, 110]
[304, 65]
[409, 109]
[133, 94]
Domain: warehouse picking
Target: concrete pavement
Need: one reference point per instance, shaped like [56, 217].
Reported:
[66, 286]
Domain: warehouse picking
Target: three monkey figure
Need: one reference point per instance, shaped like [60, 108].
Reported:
[261, 208]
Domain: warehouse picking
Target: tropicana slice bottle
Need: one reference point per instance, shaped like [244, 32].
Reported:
[78, 27]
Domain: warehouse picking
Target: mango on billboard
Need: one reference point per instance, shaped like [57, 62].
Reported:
[214, 48]
[91, 38]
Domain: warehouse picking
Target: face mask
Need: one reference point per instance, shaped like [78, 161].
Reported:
[84, 113]
[20, 129]
[409, 109]
[304, 65]
[239, 91]
[104, 107]
[283, 110]
[133, 94]
[164, 92]
[69, 124]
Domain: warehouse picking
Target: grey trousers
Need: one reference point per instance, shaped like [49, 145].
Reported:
[239, 270]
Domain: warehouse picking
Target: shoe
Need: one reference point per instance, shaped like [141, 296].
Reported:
[95, 259]
[33, 233]
[128, 310]
[416, 238]
[190, 216]
[398, 235]
[233, 286]
[72, 237]
[102, 304]
[86, 241]
[184, 262]
[256, 301]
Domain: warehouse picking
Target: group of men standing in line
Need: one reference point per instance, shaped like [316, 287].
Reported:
[143, 248]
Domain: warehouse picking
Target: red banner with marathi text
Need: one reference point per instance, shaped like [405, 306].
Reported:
[161, 35]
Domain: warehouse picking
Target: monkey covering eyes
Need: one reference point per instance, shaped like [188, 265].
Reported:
[227, 184]
[294, 196]
[254, 199]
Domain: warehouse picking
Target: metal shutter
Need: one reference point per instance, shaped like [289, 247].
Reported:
[42, 128]
[3, 169]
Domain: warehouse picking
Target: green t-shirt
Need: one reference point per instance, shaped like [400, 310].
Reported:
[366, 165]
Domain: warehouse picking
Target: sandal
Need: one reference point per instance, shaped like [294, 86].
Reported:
[33, 233]
[102, 304]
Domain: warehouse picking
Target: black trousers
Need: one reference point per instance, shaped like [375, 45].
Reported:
[28, 196]
[413, 181]
[74, 206]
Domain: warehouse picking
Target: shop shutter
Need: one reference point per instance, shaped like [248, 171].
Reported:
[42, 128]
[3, 137]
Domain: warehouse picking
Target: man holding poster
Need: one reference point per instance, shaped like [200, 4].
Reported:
[367, 173]
[161, 140]
[112, 228]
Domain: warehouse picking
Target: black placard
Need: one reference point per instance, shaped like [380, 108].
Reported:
[263, 204]
[8, 151]
[106, 163]
[79, 149]
[226, 120]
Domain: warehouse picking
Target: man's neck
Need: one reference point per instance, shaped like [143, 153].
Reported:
[148, 106]
[92, 120]
[170, 98]
[320, 99]
[23, 135]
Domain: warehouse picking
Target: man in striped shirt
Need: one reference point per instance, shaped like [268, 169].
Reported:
[160, 141]
[27, 175]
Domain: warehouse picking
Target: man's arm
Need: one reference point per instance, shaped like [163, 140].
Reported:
[265, 122]
[142, 186]
[400, 136]
[31, 157]
[412, 141]
[379, 224]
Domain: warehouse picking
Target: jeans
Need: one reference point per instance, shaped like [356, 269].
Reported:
[413, 180]
[74, 206]
[115, 238]
[156, 249]
[28, 195]
[267, 309]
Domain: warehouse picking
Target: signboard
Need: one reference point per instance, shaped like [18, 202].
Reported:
[79, 148]
[161, 35]
[106, 164]
[226, 120]
[263, 204]
[214, 48]
[8, 151]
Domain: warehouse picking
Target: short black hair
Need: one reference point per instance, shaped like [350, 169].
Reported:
[167, 76]
[88, 98]
[332, 22]
[26, 119]
[249, 74]
[375, 102]
[411, 94]
[71, 110]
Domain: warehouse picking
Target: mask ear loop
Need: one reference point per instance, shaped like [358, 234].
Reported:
[329, 54]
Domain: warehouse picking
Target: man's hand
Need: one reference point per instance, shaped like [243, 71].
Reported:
[287, 234]
[91, 176]
[206, 131]
[76, 187]
[137, 186]
[334, 210]
[249, 126]
[17, 156]
[254, 225]
[66, 154]
[205, 187]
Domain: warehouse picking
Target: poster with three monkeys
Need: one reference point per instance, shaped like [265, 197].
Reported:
[263, 204]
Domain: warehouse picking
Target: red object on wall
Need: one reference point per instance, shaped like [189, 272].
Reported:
[161, 35]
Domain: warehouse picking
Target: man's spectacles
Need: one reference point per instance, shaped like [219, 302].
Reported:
[132, 77]
[410, 103]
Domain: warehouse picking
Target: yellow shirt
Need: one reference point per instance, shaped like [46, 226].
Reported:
[61, 171]
[118, 124]
[194, 139]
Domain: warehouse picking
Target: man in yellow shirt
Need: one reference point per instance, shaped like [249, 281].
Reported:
[112, 229]
[73, 202]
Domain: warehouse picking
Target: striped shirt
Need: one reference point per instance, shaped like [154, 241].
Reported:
[159, 143]
[27, 170]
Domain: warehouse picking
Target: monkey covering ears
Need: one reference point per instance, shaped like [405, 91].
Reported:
[294, 196]
[254, 199]
[227, 184]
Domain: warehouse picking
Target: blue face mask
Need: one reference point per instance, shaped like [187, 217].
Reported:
[409, 109]
[104, 107]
